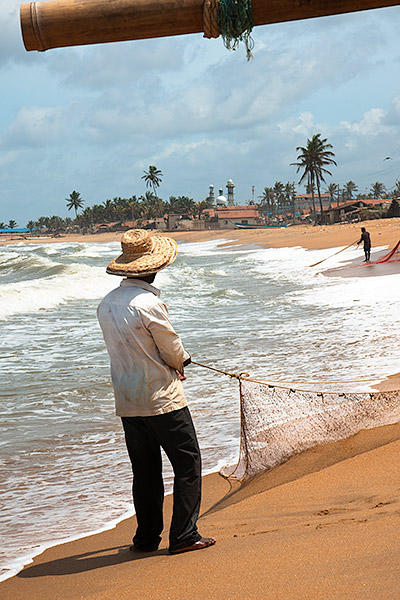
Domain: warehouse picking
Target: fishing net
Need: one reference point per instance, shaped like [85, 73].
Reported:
[393, 255]
[277, 423]
[233, 20]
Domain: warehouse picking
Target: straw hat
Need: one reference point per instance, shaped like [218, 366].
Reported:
[143, 254]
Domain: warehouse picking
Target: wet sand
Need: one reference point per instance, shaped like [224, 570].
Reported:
[324, 525]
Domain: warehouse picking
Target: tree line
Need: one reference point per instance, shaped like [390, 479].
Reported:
[312, 164]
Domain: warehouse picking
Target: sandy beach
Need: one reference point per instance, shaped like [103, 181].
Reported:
[324, 525]
[383, 232]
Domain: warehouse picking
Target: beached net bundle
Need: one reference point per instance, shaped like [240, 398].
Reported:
[393, 255]
[277, 423]
[233, 20]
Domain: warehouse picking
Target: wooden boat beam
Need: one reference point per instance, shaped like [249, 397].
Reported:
[62, 23]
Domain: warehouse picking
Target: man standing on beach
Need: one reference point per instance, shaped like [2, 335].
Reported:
[366, 238]
[147, 365]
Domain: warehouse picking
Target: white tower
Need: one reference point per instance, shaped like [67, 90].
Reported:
[230, 187]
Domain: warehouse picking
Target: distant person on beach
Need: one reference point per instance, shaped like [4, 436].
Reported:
[366, 238]
[147, 366]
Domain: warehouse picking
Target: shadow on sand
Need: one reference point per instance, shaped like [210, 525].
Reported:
[88, 561]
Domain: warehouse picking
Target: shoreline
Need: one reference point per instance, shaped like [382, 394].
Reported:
[270, 533]
[384, 232]
[390, 383]
[251, 537]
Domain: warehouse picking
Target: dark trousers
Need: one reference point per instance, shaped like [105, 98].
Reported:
[367, 252]
[145, 436]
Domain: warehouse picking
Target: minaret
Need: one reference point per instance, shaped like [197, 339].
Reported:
[230, 186]
[211, 197]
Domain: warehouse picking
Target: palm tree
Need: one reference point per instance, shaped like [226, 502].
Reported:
[74, 201]
[313, 159]
[396, 191]
[200, 206]
[333, 189]
[378, 189]
[289, 193]
[12, 224]
[267, 199]
[279, 193]
[187, 204]
[350, 187]
[152, 178]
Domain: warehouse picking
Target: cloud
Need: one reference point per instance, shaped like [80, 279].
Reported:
[11, 44]
[92, 118]
[372, 124]
[35, 127]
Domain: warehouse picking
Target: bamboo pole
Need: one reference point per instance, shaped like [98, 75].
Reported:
[62, 23]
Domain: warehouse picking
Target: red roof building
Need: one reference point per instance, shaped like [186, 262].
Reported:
[228, 216]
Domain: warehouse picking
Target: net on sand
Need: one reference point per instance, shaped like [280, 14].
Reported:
[393, 255]
[277, 423]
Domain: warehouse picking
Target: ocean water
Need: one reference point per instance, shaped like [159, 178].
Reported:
[64, 470]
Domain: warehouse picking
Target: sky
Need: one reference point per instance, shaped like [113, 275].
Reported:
[93, 118]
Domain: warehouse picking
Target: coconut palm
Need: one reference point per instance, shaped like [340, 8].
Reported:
[289, 193]
[199, 207]
[152, 178]
[187, 204]
[378, 189]
[396, 191]
[313, 158]
[74, 201]
[350, 187]
[12, 224]
[279, 193]
[267, 199]
[333, 189]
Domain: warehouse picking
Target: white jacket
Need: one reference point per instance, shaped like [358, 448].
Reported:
[145, 351]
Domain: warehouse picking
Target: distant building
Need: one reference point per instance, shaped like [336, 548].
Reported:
[350, 210]
[226, 217]
[15, 230]
[303, 202]
[222, 200]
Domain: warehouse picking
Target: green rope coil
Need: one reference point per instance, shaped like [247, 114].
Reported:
[235, 22]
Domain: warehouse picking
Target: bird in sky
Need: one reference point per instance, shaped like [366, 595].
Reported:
[388, 158]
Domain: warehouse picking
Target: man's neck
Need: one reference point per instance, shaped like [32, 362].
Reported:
[146, 278]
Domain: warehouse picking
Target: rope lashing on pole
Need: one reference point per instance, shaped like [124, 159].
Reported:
[233, 20]
[210, 19]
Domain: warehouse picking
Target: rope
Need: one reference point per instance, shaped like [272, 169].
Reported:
[284, 385]
[330, 256]
[232, 375]
[210, 18]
